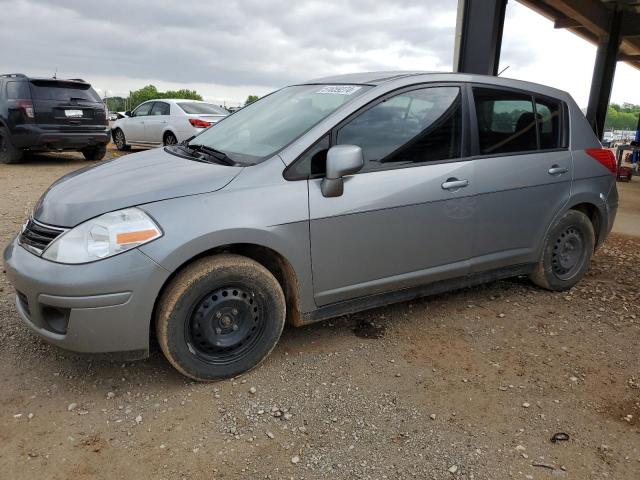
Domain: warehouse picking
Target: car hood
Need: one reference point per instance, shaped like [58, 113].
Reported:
[127, 181]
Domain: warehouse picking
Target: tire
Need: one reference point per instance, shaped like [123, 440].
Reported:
[8, 152]
[567, 253]
[120, 140]
[94, 154]
[219, 317]
[169, 139]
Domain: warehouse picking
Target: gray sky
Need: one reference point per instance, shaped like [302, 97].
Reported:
[229, 49]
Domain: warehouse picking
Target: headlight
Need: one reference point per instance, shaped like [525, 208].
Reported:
[103, 236]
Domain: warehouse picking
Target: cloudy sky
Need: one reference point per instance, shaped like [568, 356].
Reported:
[229, 49]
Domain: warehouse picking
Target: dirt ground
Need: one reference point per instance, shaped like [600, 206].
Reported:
[467, 385]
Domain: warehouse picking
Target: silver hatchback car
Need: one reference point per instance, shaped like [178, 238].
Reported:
[321, 199]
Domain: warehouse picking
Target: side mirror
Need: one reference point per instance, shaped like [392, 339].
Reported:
[127, 113]
[342, 160]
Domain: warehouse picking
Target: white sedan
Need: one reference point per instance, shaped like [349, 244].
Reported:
[164, 122]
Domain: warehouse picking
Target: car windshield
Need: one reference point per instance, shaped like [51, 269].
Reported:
[202, 108]
[264, 127]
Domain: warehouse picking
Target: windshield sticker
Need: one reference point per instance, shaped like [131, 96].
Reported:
[339, 89]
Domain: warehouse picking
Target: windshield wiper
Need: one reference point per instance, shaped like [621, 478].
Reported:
[217, 155]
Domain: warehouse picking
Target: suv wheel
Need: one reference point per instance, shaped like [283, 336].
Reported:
[567, 253]
[169, 139]
[8, 153]
[219, 317]
[94, 153]
[120, 140]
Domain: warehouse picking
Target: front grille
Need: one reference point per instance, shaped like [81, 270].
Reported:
[36, 237]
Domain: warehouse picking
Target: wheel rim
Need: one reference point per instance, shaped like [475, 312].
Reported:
[225, 325]
[170, 140]
[568, 253]
[119, 139]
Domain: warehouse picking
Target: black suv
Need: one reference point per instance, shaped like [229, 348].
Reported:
[45, 114]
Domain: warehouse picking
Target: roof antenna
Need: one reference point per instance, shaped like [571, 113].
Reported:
[55, 74]
[503, 70]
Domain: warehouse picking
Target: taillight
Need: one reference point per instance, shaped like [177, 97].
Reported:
[196, 122]
[26, 106]
[605, 157]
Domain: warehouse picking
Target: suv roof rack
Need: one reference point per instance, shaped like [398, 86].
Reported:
[13, 75]
[77, 80]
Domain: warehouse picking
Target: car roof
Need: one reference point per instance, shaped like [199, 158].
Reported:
[416, 76]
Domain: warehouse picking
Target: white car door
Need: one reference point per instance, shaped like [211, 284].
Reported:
[134, 126]
[156, 122]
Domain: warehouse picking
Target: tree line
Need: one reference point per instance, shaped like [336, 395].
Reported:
[150, 92]
[622, 117]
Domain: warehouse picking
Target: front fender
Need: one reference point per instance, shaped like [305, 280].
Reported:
[277, 219]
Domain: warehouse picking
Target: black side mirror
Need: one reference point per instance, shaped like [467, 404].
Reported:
[342, 160]
[127, 113]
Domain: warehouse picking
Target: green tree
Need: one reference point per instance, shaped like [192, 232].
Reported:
[150, 92]
[622, 117]
[250, 99]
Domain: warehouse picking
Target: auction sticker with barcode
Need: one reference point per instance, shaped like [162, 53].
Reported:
[339, 89]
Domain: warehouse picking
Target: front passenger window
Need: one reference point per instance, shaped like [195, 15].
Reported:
[143, 110]
[413, 127]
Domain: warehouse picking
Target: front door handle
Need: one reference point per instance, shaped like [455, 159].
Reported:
[557, 170]
[454, 184]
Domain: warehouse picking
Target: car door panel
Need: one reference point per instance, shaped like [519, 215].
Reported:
[134, 126]
[517, 200]
[390, 230]
[523, 178]
[156, 122]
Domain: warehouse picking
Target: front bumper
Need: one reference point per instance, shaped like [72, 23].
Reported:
[98, 307]
[39, 138]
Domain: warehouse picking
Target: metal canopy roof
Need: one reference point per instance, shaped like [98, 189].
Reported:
[591, 20]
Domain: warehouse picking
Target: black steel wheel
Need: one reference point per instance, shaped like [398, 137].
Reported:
[225, 324]
[567, 252]
[220, 316]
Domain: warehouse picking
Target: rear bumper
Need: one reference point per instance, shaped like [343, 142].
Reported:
[39, 138]
[98, 307]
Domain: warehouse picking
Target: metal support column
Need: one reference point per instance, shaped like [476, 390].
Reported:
[479, 36]
[603, 73]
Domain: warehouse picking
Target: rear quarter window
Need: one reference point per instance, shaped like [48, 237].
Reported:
[18, 90]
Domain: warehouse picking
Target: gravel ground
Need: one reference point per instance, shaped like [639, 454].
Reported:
[467, 385]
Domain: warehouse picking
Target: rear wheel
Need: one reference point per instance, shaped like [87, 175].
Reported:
[567, 253]
[120, 140]
[219, 317]
[169, 139]
[94, 154]
[8, 153]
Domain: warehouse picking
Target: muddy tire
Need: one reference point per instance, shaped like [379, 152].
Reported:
[8, 153]
[219, 317]
[94, 154]
[567, 253]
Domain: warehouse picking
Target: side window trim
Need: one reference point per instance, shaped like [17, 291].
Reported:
[466, 133]
[473, 122]
[144, 103]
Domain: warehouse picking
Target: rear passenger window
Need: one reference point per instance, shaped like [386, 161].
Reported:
[548, 112]
[17, 90]
[506, 121]
[413, 127]
[160, 108]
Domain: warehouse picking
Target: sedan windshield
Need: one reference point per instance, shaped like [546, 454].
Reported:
[264, 127]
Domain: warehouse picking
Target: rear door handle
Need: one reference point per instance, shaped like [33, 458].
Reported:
[454, 184]
[557, 170]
